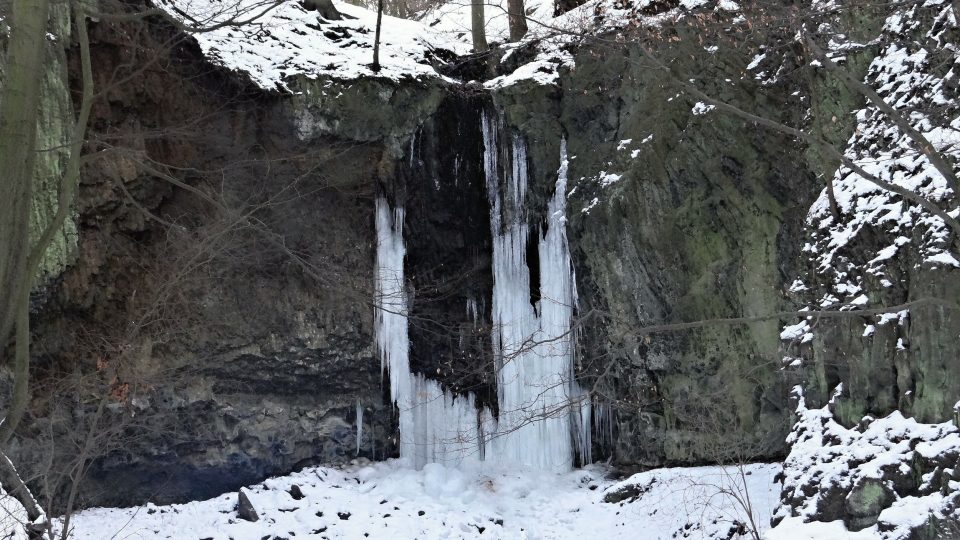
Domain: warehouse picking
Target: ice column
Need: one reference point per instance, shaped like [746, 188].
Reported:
[542, 409]
[435, 426]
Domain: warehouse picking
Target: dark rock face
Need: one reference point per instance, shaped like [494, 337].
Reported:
[262, 354]
[441, 185]
[222, 315]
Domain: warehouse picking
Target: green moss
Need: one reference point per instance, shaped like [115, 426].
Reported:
[54, 132]
[867, 500]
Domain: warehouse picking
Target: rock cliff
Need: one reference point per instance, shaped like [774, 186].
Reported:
[220, 287]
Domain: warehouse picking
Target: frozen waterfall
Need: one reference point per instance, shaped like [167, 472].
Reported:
[544, 417]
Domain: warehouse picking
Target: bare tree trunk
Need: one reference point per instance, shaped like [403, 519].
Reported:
[326, 8]
[34, 254]
[517, 19]
[376, 39]
[14, 485]
[478, 23]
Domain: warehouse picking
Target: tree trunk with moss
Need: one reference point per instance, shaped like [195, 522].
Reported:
[19, 105]
[19, 110]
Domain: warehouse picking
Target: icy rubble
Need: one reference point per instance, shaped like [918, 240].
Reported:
[911, 464]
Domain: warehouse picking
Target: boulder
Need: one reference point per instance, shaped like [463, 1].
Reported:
[865, 502]
[245, 509]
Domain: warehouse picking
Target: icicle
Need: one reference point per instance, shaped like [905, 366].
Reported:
[413, 148]
[583, 436]
[603, 420]
[393, 341]
[359, 426]
[472, 310]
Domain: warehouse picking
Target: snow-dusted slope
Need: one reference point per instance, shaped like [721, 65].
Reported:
[551, 36]
[387, 501]
[286, 40]
[453, 19]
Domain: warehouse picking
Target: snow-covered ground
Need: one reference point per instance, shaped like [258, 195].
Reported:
[388, 500]
[287, 40]
[275, 44]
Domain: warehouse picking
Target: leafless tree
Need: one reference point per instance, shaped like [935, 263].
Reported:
[376, 40]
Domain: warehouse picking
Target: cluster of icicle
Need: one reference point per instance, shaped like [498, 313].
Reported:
[543, 414]
[435, 426]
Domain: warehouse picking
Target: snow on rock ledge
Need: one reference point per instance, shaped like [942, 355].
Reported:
[885, 478]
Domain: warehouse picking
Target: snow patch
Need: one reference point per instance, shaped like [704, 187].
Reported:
[701, 108]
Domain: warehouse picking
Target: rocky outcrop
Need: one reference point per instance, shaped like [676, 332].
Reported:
[891, 475]
[881, 388]
[876, 249]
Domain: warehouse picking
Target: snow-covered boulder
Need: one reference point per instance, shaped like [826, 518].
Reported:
[890, 477]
